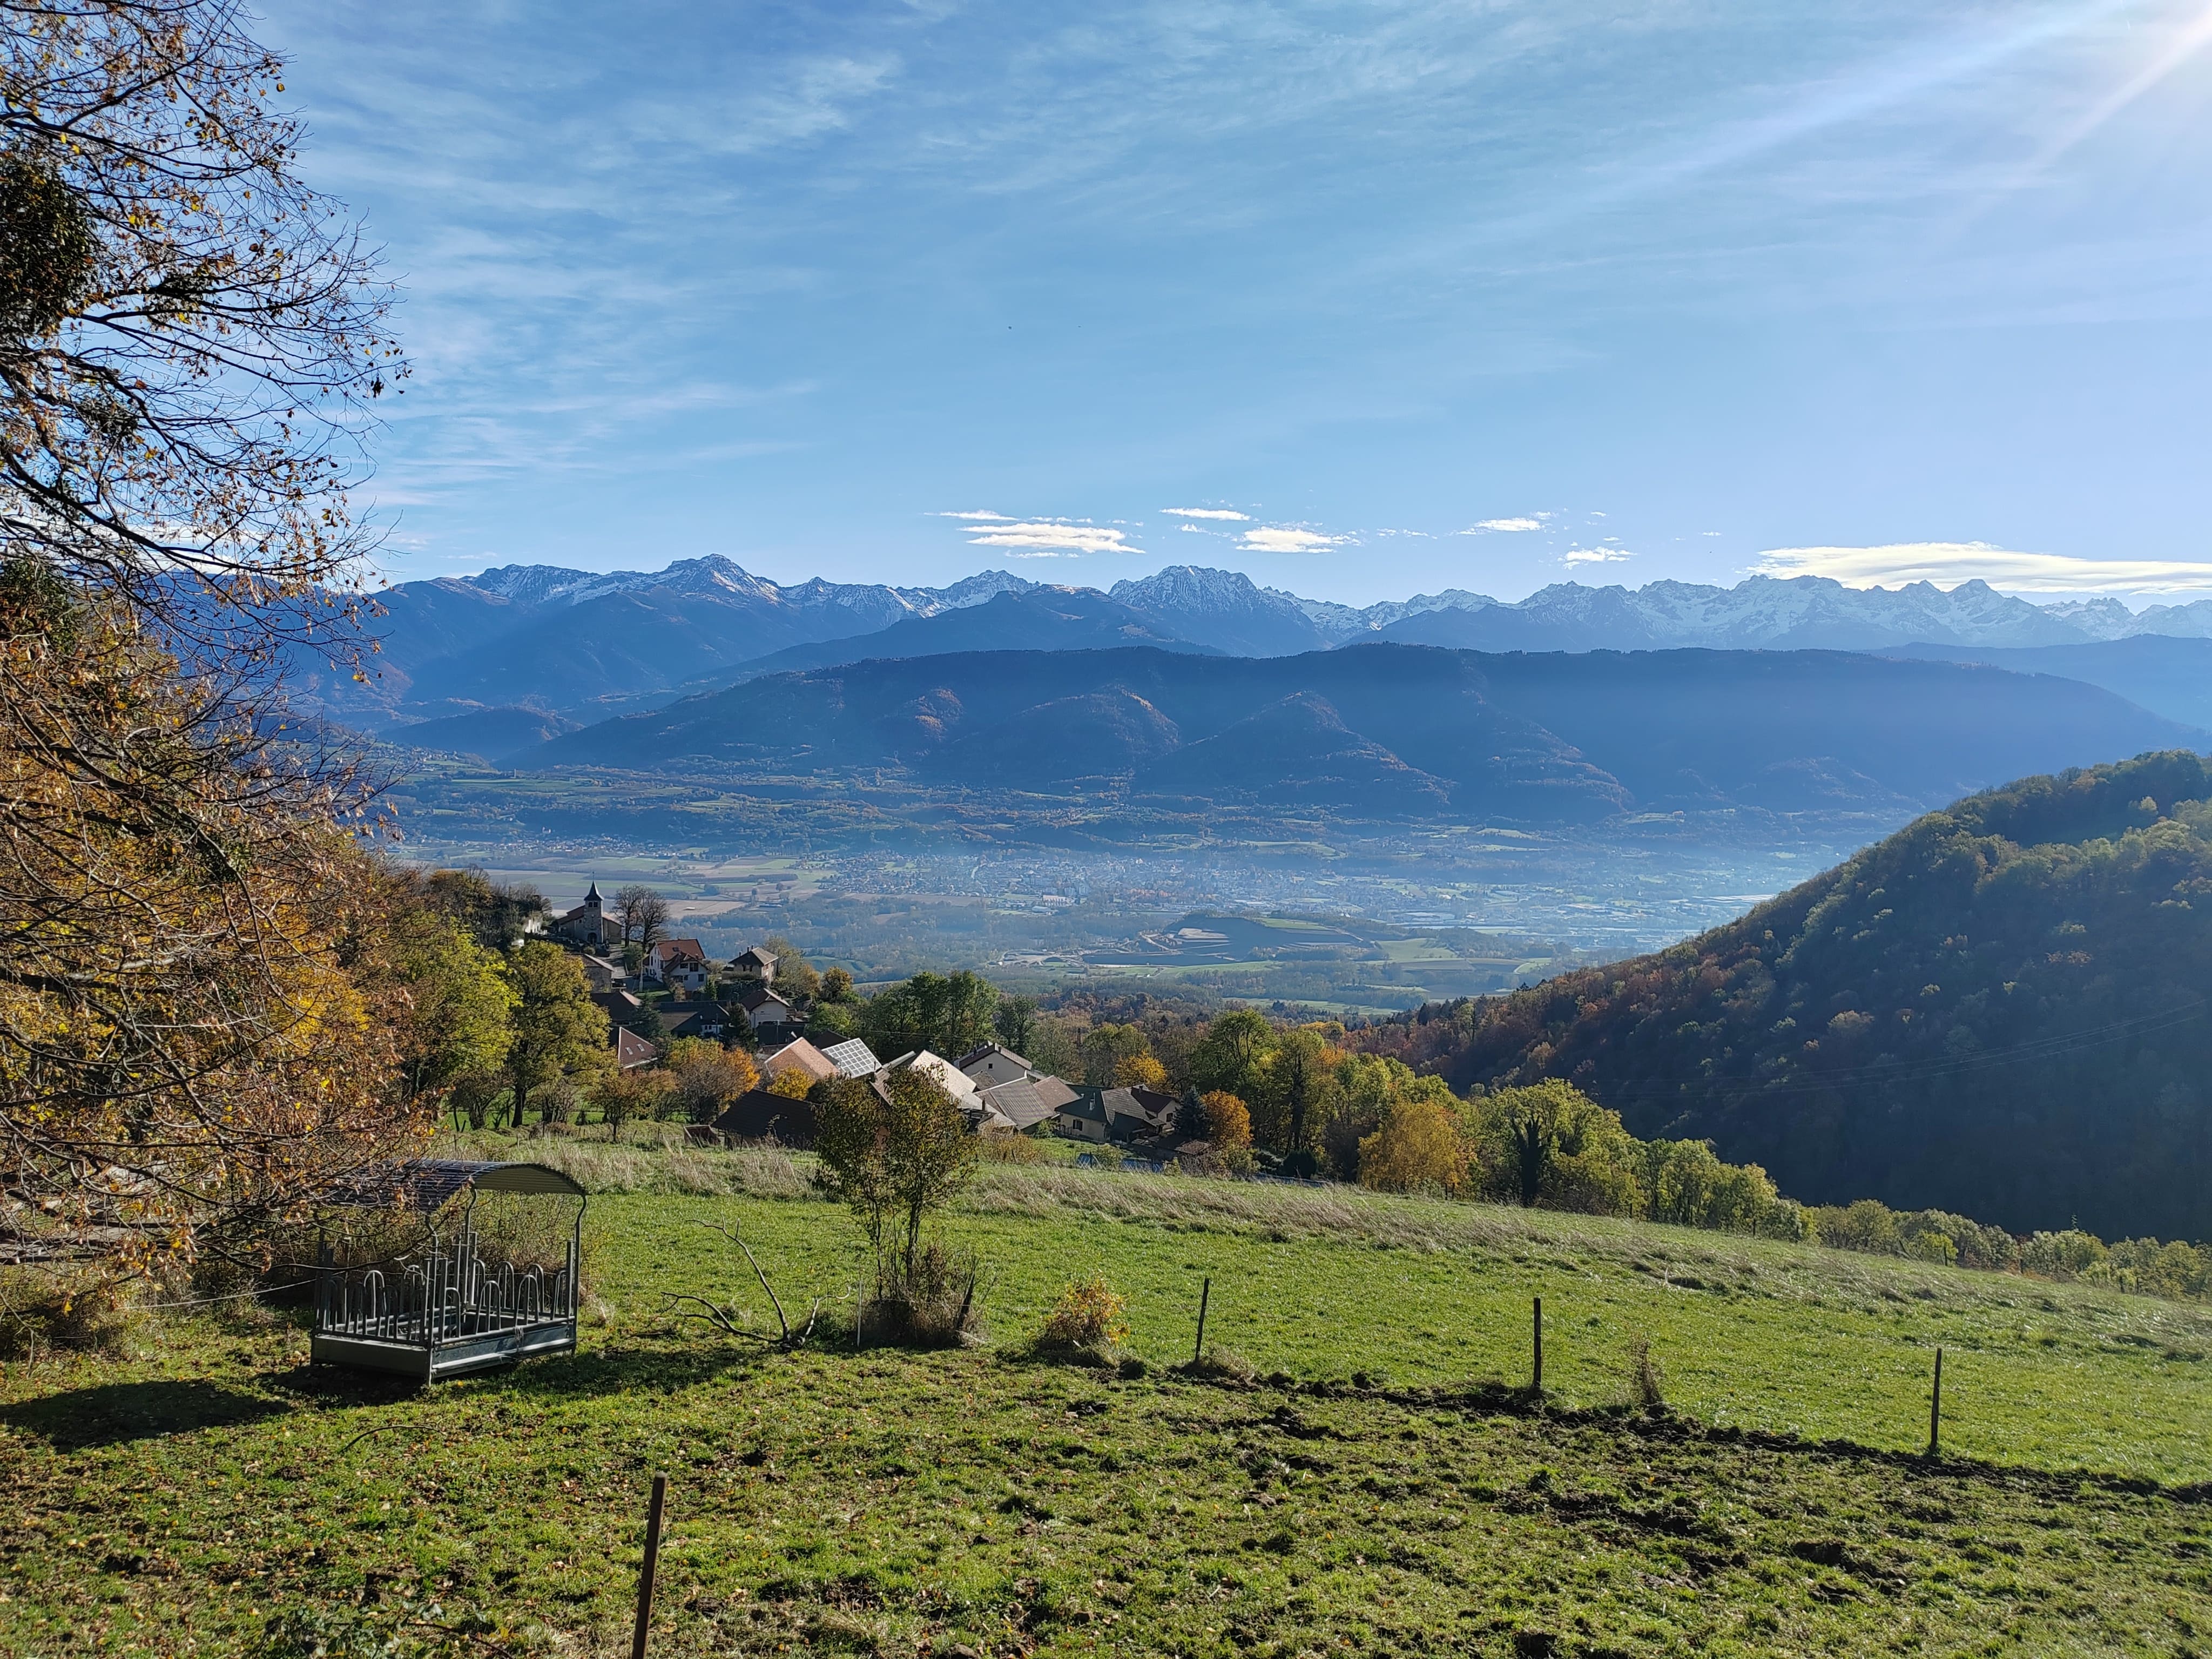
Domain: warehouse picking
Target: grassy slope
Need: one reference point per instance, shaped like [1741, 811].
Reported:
[883, 1501]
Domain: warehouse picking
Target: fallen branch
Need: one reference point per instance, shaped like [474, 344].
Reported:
[730, 1321]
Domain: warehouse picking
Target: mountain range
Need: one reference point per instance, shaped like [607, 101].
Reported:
[1389, 731]
[2004, 1008]
[584, 646]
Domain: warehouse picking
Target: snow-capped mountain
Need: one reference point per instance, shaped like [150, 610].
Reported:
[1780, 614]
[545, 638]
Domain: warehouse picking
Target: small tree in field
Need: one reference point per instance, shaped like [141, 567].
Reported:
[895, 1157]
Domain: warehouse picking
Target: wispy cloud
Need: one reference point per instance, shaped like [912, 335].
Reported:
[1290, 541]
[1597, 555]
[1493, 527]
[1949, 563]
[999, 518]
[1045, 538]
[1208, 512]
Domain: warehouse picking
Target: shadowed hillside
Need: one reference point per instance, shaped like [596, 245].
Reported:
[2001, 1009]
[1402, 731]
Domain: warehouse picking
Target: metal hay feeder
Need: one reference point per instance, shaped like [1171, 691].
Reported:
[440, 1308]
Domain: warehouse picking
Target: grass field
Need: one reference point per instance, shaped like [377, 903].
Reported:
[1384, 1485]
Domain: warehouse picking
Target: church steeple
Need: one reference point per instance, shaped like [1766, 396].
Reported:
[591, 899]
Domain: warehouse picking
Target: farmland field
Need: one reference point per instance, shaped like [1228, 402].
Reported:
[1382, 1484]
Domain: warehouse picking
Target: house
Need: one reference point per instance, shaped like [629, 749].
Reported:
[1082, 1118]
[1024, 1103]
[942, 1071]
[707, 1020]
[620, 1006]
[1013, 1086]
[632, 1051]
[766, 1012]
[1139, 1113]
[757, 1115]
[993, 1063]
[802, 1056]
[853, 1058]
[677, 962]
[588, 925]
[754, 963]
[602, 973]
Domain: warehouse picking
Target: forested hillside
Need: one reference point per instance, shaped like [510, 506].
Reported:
[2001, 1010]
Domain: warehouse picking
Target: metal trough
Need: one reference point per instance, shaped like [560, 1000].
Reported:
[440, 1310]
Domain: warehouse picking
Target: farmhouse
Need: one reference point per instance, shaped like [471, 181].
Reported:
[769, 1013]
[1139, 1113]
[1082, 1118]
[801, 1056]
[680, 963]
[754, 963]
[709, 1020]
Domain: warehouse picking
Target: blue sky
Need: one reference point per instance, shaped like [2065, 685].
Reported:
[1484, 296]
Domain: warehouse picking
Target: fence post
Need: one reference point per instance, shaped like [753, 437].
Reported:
[1936, 1409]
[652, 1562]
[1536, 1323]
[1205, 1296]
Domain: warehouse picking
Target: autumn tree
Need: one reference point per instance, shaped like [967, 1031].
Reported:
[708, 1077]
[1232, 1055]
[558, 1030]
[460, 1000]
[1106, 1048]
[1228, 1123]
[1140, 1072]
[644, 917]
[1549, 1143]
[199, 1019]
[1417, 1147]
[947, 1013]
[1296, 1087]
[794, 973]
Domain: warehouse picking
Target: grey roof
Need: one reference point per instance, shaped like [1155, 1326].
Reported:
[426, 1184]
[1051, 1090]
[853, 1058]
[754, 1000]
[1019, 1103]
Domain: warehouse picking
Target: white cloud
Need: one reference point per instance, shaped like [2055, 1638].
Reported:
[1207, 513]
[1290, 541]
[1949, 563]
[997, 517]
[1044, 538]
[1597, 554]
[1528, 521]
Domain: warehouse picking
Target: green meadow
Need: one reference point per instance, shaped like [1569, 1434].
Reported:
[1383, 1481]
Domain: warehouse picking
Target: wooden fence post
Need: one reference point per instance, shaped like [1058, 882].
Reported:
[1205, 1296]
[1936, 1409]
[1537, 1323]
[652, 1562]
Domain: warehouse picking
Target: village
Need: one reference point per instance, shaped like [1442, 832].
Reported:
[657, 991]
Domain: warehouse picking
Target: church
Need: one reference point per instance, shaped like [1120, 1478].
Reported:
[588, 925]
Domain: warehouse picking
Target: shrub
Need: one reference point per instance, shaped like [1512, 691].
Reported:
[1007, 1146]
[1644, 1378]
[931, 1298]
[1088, 1317]
[2062, 1256]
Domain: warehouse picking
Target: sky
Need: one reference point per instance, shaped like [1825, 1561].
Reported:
[1363, 298]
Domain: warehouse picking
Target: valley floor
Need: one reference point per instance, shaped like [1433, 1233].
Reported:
[1382, 1486]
